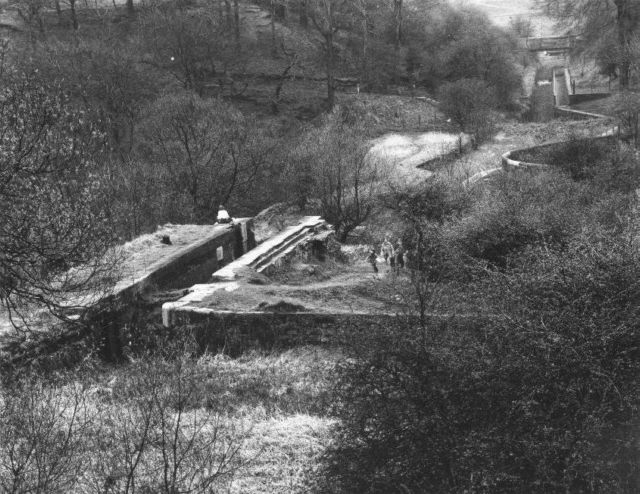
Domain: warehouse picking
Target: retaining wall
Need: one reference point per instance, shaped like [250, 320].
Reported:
[561, 90]
[568, 113]
[192, 264]
[239, 331]
[574, 99]
[512, 159]
[127, 305]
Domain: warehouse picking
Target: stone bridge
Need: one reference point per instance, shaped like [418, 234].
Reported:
[551, 43]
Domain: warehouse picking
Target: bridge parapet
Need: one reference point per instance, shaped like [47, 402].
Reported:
[551, 43]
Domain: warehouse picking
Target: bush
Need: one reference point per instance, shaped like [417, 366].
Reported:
[580, 157]
[469, 103]
[543, 208]
[201, 153]
[540, 396]
[520, 210]
[446, 44]
[330, 163]
[147, 430]
[609, 162]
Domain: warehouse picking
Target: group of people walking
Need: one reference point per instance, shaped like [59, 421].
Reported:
[393, 255]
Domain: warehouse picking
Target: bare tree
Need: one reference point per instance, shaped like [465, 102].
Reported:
[32, 14]
[54, 231]
[332, 164]
[192, 46]
[330, 18]
[204, 151]
[195, 451]
[157, 438]
[292, 60]
[397, 18]
[43, 430]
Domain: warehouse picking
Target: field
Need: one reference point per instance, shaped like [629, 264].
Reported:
[257, 422]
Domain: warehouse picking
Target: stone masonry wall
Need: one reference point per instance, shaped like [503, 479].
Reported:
[236, 332]
[199, 263]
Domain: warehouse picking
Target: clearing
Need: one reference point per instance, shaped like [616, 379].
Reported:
[406, 153]
[323, 287]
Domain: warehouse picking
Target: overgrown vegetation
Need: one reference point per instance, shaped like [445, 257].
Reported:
[167, 422]
[115, 120]
[470, 104]
[542, 397]
[161, 105]
[537, 392]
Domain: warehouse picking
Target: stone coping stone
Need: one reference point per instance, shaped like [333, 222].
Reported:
[229, 272]
[225, 276]
[154, 271]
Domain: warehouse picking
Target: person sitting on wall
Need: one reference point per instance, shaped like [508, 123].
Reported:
[223, 216]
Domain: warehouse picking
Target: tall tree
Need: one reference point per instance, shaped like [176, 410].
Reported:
[331, 163]
[330, 18]
[192, 48]
[236, 19]
[304, 18]
[397, 19]
[54, 230]
[599, 23]
[204, 152]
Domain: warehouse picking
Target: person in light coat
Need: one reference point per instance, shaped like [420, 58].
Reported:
[223, 216]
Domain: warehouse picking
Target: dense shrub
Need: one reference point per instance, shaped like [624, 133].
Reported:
[537, 209]
[539, 397]
[446, 44]
[580, 157]
[469, 103]
[425, 211]
[518, 211]
[537, 392]
[609, 162]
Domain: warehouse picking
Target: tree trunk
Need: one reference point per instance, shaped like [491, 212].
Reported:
[236, 19]
[625, 26]
[304, 17]
[331, 84]
[625, 73]
[74, 17]
[58, 11]
[227, 9]
[397, 11]
[274, 48]
[130, 9]
[365, 48]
